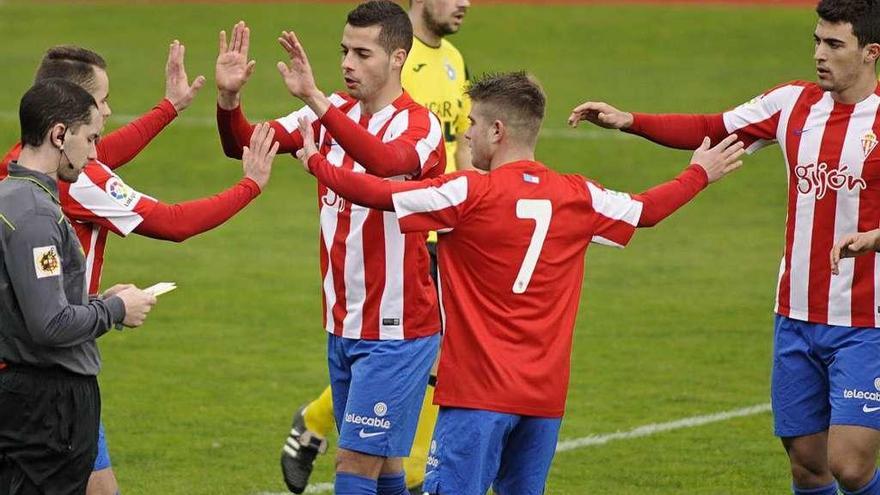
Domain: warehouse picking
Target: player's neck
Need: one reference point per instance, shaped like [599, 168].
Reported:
[382, 98]
[42, 160]
[864, 87]
[423, 34]
[510, 154]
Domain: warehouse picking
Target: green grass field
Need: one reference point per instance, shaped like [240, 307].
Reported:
[198, 401]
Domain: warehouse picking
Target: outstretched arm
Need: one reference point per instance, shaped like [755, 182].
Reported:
[707, 166]
[674, 130]
[363, 189]
[181, 221]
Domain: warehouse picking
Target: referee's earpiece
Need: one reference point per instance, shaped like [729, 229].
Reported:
[61, 138]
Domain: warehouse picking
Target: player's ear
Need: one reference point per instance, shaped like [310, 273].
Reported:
[498, 131]
[872, 53]
[56, 135]
[398, 58]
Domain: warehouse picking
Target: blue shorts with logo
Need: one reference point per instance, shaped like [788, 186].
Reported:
[102, 461]
[378, 387]
[474, 449]
[824, 375]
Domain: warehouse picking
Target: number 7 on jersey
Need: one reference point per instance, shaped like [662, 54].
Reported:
[539, 210]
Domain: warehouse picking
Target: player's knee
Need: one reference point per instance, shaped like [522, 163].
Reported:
[852, 471]
[349, 461]
[809, 472]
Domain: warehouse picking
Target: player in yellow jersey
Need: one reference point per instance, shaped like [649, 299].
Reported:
[435, 76]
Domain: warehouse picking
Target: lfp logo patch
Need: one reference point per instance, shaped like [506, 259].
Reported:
[120, 192]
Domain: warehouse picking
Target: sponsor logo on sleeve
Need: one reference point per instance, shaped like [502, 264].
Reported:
[47, 263]
[121, 193]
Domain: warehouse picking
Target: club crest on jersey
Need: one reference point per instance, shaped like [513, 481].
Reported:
[120, 192]
[819, 180]
[47, 263]
[450, 71]
[869, 142]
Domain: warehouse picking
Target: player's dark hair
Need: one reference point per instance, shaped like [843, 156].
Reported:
[396, 29]
[72, 63]
[514, 98]
[50, 102]
[864, 15]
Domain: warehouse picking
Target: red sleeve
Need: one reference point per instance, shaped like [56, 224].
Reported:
[363, 189]
[235, 133]
[122, 145]
[11, 156]
[678, 130]
[398, 157]
[181, 221]
[661, 201]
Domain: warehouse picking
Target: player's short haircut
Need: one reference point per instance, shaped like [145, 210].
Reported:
[396, 28]
[72, 63]
[50, 102]
[864, 15]
[514, 98]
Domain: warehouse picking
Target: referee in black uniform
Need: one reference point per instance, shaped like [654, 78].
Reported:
[49, 398]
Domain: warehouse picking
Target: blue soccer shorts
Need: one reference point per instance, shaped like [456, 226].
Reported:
[102, 461]
[474, 449]
[824, 375]
[378, 387]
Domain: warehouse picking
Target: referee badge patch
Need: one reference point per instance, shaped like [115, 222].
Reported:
[47, 263]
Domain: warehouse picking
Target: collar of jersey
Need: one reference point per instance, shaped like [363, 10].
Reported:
[45, 182]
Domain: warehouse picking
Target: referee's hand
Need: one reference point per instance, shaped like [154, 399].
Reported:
[137, 304]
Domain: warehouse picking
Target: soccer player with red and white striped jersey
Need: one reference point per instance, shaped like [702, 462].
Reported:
[825, 372]
[511, 250]
[380, 305]
[99, 201]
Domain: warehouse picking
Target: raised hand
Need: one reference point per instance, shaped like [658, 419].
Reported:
[233, 67]
[601, 114]
[309, 148]
[257, 158]
[297, 74]
[178, 90]
[853, 245]
[721, 159]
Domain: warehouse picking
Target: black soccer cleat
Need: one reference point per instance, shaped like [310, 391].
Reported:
[299, 452]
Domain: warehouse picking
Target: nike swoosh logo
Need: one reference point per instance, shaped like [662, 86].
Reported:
[800, 132]
[364, 434]
[419, 67]
[867, 409]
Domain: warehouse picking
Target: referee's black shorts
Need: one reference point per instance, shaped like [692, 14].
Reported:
[48, 430]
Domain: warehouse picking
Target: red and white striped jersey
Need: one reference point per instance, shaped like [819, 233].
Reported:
[376, 280]
[98, 202]
[511, 257]
[833, 189]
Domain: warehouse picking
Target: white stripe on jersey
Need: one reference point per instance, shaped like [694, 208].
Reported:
[448, 195]
[90, 255]
[598, 239]
[760, 109]
[852, 156]
[290, 122]
[391, 305]
[355, 284]
[811, 142]
[98, 201]
[328, 231]
[615, 205]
